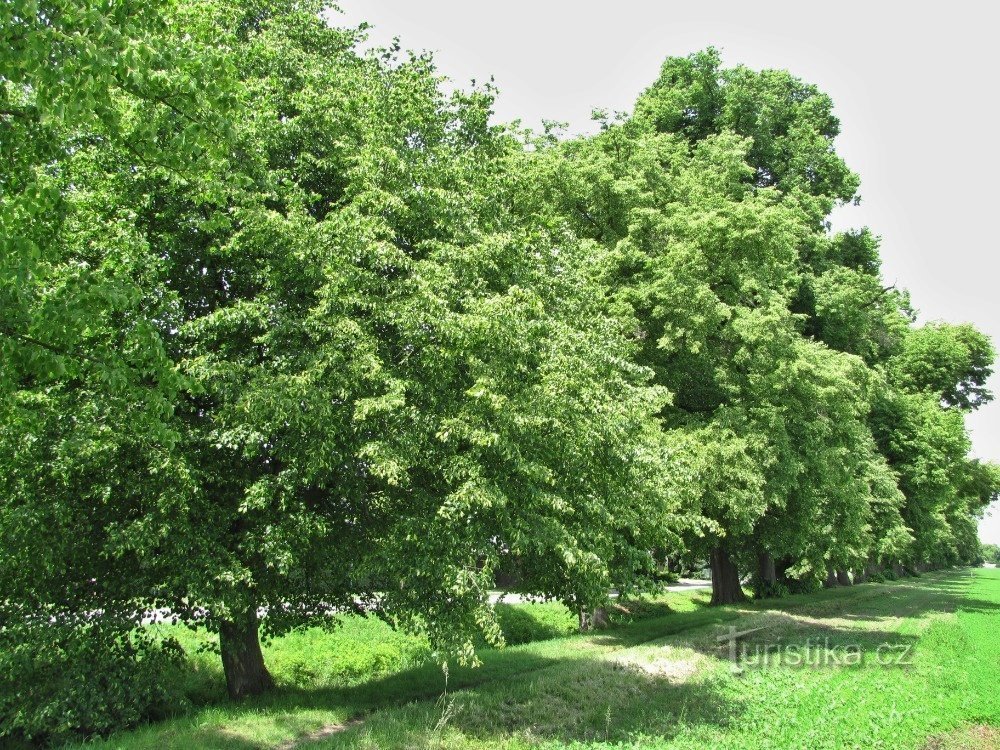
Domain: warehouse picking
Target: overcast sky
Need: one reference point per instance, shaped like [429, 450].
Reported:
[914, 87]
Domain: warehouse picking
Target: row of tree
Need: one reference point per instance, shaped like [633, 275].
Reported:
[284, 327]
[990, 554]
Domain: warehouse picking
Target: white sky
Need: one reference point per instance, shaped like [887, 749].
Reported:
[914, 87]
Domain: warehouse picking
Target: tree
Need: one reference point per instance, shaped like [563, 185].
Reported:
[841, 302]
[288, 331]
[937, 374]
[839, 506]
[383, 376]
[80, 354]
[990, 553]
[709, 201]
[951, 361]
[790, 124]
[844, 301]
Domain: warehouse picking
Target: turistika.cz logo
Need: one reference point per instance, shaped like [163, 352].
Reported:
[814, 653]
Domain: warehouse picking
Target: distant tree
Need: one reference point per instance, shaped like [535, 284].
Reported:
[990, 553]
[841, 301]
[950, 361]
[710, 201]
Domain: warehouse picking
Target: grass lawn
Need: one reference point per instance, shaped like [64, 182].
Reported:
[910, 664]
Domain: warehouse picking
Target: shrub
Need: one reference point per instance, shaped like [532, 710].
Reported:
[355, 649]
[768, 589]
[525, 623]
[805, 585]
[703, 574]
[63, 678]
[666, 576]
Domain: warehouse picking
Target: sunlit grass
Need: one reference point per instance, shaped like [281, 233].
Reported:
[660, 681]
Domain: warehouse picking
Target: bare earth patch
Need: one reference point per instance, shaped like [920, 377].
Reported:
[669, 663]
[977, 737]
[320, 734]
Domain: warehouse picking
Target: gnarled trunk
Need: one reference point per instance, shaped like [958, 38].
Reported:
[781, 567]
[765, 568]
[726, 588]
[843, 578]
[242, 659]
[831, 579]
[870, 569]
[594, 620]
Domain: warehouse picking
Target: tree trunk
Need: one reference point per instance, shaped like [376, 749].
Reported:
[843, 578]
[242, 660]
[870, 569]
[599, 618]
[594, 620]
[781, 567]
[726, 588]
[831, 579]
[765, 568]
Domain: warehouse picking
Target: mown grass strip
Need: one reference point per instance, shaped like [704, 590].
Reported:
[581, 690]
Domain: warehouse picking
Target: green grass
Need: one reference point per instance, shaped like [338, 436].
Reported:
[659, 681]
[357, 650]
[361, 649]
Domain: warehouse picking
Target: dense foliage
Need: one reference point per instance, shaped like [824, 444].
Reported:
[990, 553]
[286, 329]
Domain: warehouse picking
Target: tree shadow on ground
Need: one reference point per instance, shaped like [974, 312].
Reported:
[428, 680]
[578, 688]
[601, 700]
[606, 697]
[584, 701]
[661, 678]
[859, 616]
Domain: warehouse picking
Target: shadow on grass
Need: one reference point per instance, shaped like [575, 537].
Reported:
[428, 681]
[596, 700]
[641, 623]
[570, 690]
[593, 698]
[567, 688]
[586, 701]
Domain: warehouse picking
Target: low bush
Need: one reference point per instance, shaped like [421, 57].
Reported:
[806, 585]
[63, 678]
[768, 589]
[525, 623]
[666, 576]
[357, 648]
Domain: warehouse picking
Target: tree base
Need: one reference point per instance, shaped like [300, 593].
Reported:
[242, 659]
[726, 587]
[595, 620]
[766, 569]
